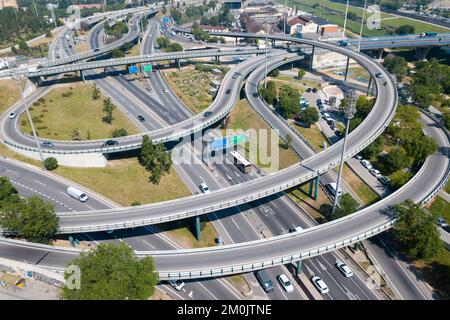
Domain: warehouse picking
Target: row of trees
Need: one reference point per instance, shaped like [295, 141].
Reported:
[165, 43]
[32, 219]
[199, 34]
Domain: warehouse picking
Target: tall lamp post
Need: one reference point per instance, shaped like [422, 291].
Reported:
[22, 100]
[362, 25]
[349, 111]
[265, 60]
[345, 20]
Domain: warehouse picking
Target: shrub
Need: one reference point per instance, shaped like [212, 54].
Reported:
[50, 163]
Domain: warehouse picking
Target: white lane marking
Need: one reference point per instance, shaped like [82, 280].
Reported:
[42, 195]
[201, 285]
[89, 207]
[12, 171]
[235, 224]
[148, 243]
[230, 288]
[39, 182]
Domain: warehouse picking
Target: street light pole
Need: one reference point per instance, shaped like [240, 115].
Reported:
[345, 20]
[362, 24]
[265, 62]
[350, 110]
[22, 100]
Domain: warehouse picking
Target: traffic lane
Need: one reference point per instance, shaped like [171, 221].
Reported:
[368, 178]
[36, 183]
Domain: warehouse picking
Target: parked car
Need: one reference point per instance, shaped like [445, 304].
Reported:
[320, 285]
[326, 116]
[285, 283]
[366, 164]
[376, 173]
[177, 284]
[204, 188]
[314, 90]
[358, 157]
[441, 222]
[384, 180]
[47, 144]
[141, 118]
[344, 269]
[12, 115]
[309, 90]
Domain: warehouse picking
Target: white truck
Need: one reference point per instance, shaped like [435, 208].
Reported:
[67, 37]
[261, 46]
[77, 194]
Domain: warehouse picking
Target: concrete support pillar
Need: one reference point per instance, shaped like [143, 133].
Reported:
[346, 69]
[368, 87]
[236, 41]
[312, 57]
[380, 56]
[421, 52]
[82, 76]
[217, 59]
[316, 191]
[298, 270]
[273, 43]
[178, 63]
[311, 186]
[197, 227]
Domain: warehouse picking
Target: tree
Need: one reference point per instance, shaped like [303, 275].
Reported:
[95, 92]
[419, 147]
[373, 149]
[117, 53]
[399, 178]
[270, 93]
[162, 42]
[113, 272]
[288, 141]
[417, 231]
[446, 120]
[174, 47]
[32, 219]
[176, 15]
[396, 65]
[289, 98]
[309, 116]
[119, 133]
[155, 158]
[405, 29]
[23, 46]
[8, 193]
[108, 108]
[275, 72]
[347, 205]
[395, 160]
[50, 163]
[300, 74]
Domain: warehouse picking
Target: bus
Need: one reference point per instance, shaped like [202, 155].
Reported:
[240, 162]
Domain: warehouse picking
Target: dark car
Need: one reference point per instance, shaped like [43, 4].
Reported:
[378, 74]
[207, 114]
[111, 143]
[255, 94]
[314, 90]
[338, 133]
[96, 50]
[141, 118]
[228, 91]
[47, 144]
[308, 90]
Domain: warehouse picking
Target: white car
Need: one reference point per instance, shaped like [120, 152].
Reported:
[12, 115]
[166, 90]
[204, 188]
[331, 188]
[358, 157]
[366, 164]
[344, 269]
[177, 284]
[320, 284]
[376, 173]
[285, 283]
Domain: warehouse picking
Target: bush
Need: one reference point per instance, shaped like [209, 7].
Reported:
[119, 133]
[67, 94]
[50, 163]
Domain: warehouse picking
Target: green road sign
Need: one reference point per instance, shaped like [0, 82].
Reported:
[237, 139]
[148, 68]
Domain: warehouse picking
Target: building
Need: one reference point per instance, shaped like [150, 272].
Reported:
[234, 5]
[253, 26]
[264, 14]
[8, 3]
[209, 28]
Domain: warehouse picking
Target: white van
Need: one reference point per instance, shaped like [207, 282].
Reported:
[77, 194]
[331, 188]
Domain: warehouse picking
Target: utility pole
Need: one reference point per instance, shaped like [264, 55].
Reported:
[265, 61]
[349, 111]
[362, 24]
[345, 20]
[285, 16]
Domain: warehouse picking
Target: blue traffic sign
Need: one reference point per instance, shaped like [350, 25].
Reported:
[166, 19]
[219, 143]
[133, 69]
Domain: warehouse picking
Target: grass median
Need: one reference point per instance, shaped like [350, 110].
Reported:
[70, 113]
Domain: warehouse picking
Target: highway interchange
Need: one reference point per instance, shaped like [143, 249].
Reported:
[237, 215]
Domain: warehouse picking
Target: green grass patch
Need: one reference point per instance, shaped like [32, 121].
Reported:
[9, 94]
[126, 181]
[243, 117]
[361, 189]
[440, 208]
[335, 12]
[65, 110]
[313, 135]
